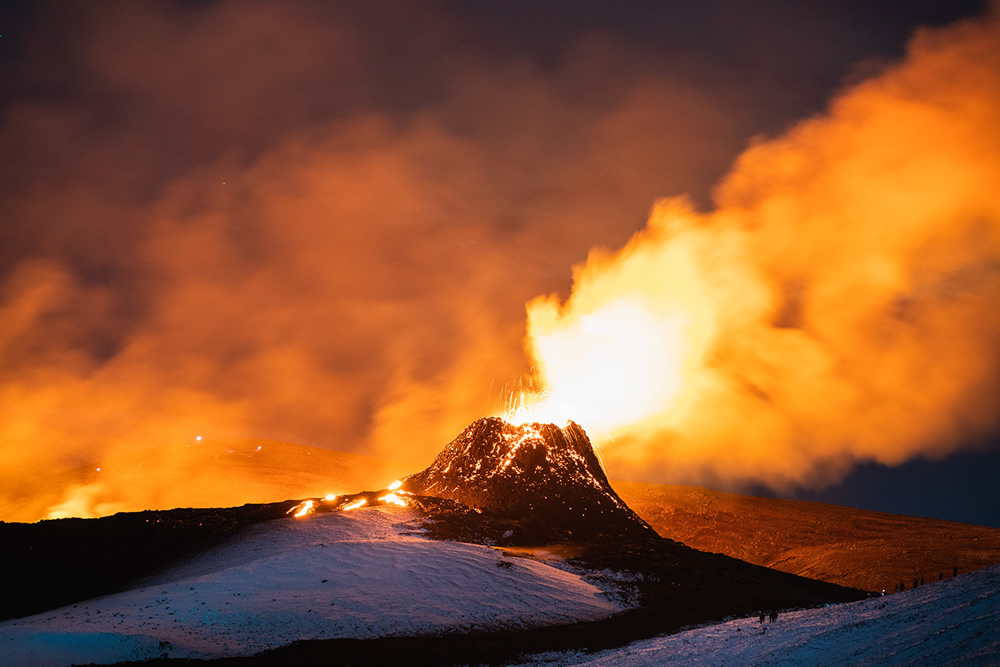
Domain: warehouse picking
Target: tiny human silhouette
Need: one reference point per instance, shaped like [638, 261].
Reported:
[774, 616]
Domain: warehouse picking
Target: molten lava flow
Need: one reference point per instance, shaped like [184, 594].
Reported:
[302, 509]
[330, 503]
[392, 498]
[515, 439]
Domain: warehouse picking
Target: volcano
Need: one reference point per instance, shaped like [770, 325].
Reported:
[546, 477]
[514, 524]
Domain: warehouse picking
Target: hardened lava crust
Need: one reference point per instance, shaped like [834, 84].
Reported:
[546, 477]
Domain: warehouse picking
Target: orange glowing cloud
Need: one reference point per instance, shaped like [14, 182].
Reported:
[838, 305]
[279, 234]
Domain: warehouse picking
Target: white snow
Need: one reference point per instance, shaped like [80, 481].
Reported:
[955, 621]
[360, 574]
[365, 574]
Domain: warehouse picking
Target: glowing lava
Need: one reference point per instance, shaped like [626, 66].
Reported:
[392, 498]
[303, 509]
[355, 505]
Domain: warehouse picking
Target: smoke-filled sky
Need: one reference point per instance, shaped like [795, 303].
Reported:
[321, 223]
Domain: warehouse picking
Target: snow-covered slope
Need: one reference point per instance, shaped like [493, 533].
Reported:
[955, 621]
[356, 574]
[365, 574]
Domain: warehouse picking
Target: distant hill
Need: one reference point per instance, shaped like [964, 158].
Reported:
[841, 545]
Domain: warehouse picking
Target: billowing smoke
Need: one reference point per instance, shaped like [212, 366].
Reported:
[296, 221]
[838, 305]
[320, 222]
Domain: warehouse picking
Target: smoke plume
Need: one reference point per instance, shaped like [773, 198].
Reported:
[838, 305]
[320, 222]
[296, 221]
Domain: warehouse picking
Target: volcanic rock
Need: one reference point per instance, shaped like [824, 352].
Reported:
[543, 476]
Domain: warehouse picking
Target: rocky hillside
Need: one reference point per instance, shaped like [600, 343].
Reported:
[842, 545]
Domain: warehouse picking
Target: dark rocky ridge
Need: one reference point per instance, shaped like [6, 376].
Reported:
[547, 478]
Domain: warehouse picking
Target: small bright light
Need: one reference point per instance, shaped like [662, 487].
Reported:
[260, 447]
[198, 438]
[98, 470]
[331, 496]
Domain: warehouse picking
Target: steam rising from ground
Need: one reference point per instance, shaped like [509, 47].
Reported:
[838, 305]
[278, 232]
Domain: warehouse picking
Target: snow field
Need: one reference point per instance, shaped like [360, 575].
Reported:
[950, 622]
[361, 574]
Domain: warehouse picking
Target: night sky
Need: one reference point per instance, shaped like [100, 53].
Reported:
[321, 222]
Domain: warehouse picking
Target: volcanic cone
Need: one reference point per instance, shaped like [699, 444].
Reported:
[533, 473]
